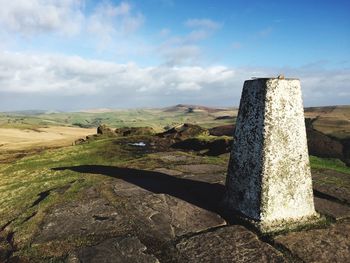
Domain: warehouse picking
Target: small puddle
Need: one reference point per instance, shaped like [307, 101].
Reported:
[138, 144]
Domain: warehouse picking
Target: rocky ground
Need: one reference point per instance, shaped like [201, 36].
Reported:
[164, 207]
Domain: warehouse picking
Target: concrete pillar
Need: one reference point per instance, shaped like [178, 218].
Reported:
[269, 179]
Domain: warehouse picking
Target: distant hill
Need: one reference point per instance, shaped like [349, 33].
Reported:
[330, 120]
[191, 108]
[31, 112]
[97, 110]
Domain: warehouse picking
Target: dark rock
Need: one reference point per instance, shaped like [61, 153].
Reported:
[224, 130]
[104, 130]
[309, 123]
[193, 144]
[214, 148]
[126, 131]
[226, 117]
[220, 146]
[190, 110]
[346, 151]
[92, 137]
[5, 249]
[79, 141]
[227, 244]
[320, 245]
[185, 107]
[184, 131]
[123, 250]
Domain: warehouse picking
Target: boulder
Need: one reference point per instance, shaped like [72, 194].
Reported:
[130, 131]
[214, 148]
[225, 117]
[183, 131]
[224, 130]
[104, 130]
[79, 141]
[193, 144]
[220, 146]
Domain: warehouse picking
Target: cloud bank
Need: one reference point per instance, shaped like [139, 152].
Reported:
[34, 79]
[83, 82]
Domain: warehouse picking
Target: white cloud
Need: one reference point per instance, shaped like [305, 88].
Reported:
[185, 49]
[108, 19]
[73, 75]
[180, 54]
[29, 17]
[68, 17]
[109, 84]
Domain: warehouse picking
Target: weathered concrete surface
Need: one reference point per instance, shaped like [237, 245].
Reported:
[227, 244]
[320, 245]
[269, 177]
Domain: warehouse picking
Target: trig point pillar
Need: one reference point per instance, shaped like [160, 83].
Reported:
[269, 179]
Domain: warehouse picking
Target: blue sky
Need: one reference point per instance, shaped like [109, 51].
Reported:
[75, 54]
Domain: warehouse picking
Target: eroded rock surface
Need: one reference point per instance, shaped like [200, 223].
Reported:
[170, 214]
[333, 209]
[227, 244]
[331, 244]
[118, 250]
[332, 184]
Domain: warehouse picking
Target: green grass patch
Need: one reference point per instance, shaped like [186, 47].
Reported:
[329, 163]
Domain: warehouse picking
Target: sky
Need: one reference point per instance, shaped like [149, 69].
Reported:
[74, 54]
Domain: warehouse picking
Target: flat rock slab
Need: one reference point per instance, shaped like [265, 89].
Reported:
[227, 244]
[123, 250]
[320, 245]
[218, 178]
[174, 157]
[95, 216]
[122, 188]
[163, 217]
[201, 168]
[168, 171]
[157, 217]
[332, 183]
[335, 210]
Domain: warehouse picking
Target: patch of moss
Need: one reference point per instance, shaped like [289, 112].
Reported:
[329, 163]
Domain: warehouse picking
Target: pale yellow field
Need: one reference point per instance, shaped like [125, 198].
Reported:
[24, 139]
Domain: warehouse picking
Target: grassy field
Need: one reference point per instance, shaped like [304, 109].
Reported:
[28, 132]
[53, 136]
[155, 118]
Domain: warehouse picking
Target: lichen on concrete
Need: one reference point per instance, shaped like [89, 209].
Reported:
[269, 178]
